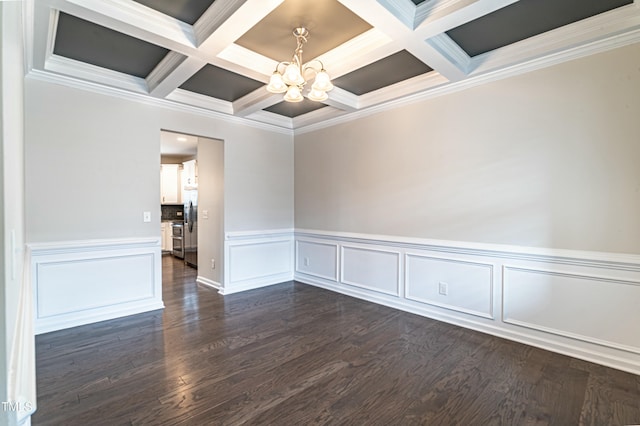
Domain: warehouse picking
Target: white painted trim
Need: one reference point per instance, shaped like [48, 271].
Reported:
[335, 277]
[398, 276]
[81, 246]
[419, 30]
[450, 50]
[556, 331]
[272, 119]
[490, 315]
[137, 20]
[403, 10]
[256, 243]
[475, 79]
[607, 268]
[76, 253]
[214, 17]
[430, 8]
[515, 335]
[543, 254]
[202, 101]
[209, 283]
[88, 72]
[255, 284]
[90, 318]
[320, 114]
[149, 100]
[243, 235]
[165, 67]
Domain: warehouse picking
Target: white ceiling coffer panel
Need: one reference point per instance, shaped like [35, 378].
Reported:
[217, 56]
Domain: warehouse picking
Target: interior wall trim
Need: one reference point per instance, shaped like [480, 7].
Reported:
[431, 301]
[208, 283]
[537, 307]
[258, 258]
[484, 77]
[146, 99]
[582, 277]
[81, 282]
[395, 275]
[543, 254]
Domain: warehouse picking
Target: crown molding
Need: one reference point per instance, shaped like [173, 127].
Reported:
[595, 47]
[85, 71]
[62, 80]
[619, 22]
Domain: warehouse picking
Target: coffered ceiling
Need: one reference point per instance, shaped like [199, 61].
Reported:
[217, 55]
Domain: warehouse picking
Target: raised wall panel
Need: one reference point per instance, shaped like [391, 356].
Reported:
[591, 308]
[75, 285]
[250, 261]
[578, 303]
[317, 259]
[371, 269]
[81, 282]
[256, 259]
[469, 284]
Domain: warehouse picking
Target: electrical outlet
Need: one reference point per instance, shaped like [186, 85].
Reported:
[443, 288]
[306, 261]
[213, 264]
[205, 214]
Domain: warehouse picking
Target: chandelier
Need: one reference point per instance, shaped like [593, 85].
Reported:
[292, 79]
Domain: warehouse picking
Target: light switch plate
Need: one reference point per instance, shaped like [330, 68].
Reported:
[146, 216]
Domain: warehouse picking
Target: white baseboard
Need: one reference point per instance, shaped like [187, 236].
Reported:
[208, 283]
[81, 282]
[558, 300]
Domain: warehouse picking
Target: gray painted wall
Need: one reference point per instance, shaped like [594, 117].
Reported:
[545, 159]
[92, 166]
[11, 190]
[211, 199]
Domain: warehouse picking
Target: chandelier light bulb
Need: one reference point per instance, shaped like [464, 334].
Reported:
[293, 94]
[322, 82]
[292, 75]
[317, 95]
[276, 85]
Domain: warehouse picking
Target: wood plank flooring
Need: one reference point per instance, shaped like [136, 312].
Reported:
[293, 354]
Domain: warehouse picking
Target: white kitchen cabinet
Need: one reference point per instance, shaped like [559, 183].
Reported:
[163, 236]
[190, 175]
[166, 236]
[170, 184]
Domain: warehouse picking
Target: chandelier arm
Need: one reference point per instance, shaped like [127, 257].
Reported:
[283, 63]
[307, 65]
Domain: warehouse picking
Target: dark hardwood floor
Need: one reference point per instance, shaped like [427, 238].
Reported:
[293, 354]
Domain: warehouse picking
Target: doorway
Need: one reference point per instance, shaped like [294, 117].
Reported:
[200, 202]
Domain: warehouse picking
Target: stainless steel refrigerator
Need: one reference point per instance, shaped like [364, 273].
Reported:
[190, 239]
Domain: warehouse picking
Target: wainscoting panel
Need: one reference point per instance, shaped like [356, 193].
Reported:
[317, 259]
[257, 259]
[450, 283]
[572, 305]
[581, 304]
[81, 282]
[371, 269]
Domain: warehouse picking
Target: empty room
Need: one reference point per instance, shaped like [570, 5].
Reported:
[376, 212]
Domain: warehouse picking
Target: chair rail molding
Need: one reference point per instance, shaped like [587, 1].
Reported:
[81, 282]
[537, 296]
